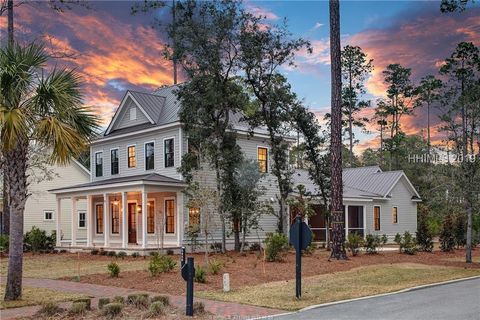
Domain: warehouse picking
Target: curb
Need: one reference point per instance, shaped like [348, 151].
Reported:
[323, 305]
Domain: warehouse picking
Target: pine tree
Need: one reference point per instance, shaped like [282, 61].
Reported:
[447, 236]
[424, 236]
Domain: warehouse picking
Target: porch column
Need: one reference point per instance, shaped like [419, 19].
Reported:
[364, 221]
[89, 221]
[180, 226]
[124, 220]
[74, 215]
[106, 221]
[346, 222]
[144, 218]
[58, 222]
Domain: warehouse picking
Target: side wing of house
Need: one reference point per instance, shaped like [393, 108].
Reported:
[40, 208]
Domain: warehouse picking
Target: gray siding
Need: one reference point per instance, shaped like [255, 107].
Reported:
[124, 121]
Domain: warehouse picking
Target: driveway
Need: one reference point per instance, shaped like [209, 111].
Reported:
[459, 300]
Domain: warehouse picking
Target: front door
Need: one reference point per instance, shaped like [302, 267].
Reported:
[132, 223]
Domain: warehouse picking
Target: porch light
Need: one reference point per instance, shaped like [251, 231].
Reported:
[139, 209]
[115, 201]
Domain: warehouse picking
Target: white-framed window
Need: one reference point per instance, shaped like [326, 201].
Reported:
[48, 215]
[98, 164]
[133, 113]
[262, 158]
[395, 214]
[169, 152]
[131, 156]
[114, 163]
[82, 219]
[150, 155]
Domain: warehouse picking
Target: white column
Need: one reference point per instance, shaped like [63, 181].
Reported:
[58, 222]
[346, 222]
[124, 220]
[180, 226]
[89, 221]
[144, 218]
[74, 215]
[106, 220]
[364, 221]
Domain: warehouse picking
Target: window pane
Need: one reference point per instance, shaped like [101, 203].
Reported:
[115, 209]
[193, 216]
[262, 159]
[81, 219]
[98, 164]
[376, 218]
[149, 156]
[170, 216]
[132, 159]
[151, 217]
[99, 217]
[169, 153]
[114, 161]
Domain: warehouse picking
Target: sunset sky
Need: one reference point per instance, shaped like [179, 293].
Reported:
[115, 51]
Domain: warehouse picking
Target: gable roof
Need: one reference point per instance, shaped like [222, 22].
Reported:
[363, 182]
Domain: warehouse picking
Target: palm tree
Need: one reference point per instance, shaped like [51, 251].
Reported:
[40, 109]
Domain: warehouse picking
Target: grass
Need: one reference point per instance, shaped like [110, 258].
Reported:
[462, 259]
[355, 283]
[35, 296]
[55, 266]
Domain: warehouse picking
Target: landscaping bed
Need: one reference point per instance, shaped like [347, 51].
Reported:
[34, 296]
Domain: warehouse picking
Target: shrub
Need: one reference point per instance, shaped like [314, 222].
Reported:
[36, 240]
[114, 269]
[255, 246]
[170, 252]
[354, 243]
[118, 299]
[139, 300]
[87, 301]
[276, 243]
[78, 308]
[156, 309]
[216, 247]
[198, 308]
[424, 235]
[161, 298]
[122, 254]
[94, 252]
[102, 302]
[398, 240]
[159, 264]
[407, 243]
[3, 243]
[111, 254]
[383, 240]
[153, 253]
[215, 266]
[135, 254]
[112, 310]
[372, 242]
[200, 275]
[49, 309]
[460, 230]
[102, 252]
[447, 236]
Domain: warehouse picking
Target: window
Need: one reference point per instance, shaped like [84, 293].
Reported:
[169, 153]
[133, 113]
[99, 218]
[170, 216]
[82, 219]
[48, 215]
[151, 216]
[98, 164]
[193, 216]
[149, 156]
[132, 157]
[115, 209]
[114, 161]
[376, 217]
[263, 159]
[395, 215]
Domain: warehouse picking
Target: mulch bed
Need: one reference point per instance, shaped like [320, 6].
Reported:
[251, 270]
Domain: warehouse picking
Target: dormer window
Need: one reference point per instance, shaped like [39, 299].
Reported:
[133, 113]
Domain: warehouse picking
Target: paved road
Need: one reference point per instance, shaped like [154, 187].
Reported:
[459, 300]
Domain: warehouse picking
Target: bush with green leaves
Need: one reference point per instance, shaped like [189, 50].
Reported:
[161, 298]
[424, 235]
[94, 252]
[3, 243]
[112, 310]
[156, 309]
[103, 302]
[102, 252]
[255, 246]
[407, 243]
[214, 266]
[113, 269]
[159, 264]
[447, 236]
[200, 275]
[87, 301]
[275, 245]
[78, 308]
[135, 254]
[111, 254]
[372, 243]
[460, 230]
[37, 240]
[354, 243]
[122, 254]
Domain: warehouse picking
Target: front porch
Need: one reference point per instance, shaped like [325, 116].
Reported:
[138, 216]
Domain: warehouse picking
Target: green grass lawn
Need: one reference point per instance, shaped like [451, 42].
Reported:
[54, 266]
[355, 283]
[34, 296]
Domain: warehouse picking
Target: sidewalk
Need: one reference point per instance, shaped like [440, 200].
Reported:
[218, 308]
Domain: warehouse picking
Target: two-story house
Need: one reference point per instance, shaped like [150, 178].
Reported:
[135, 191]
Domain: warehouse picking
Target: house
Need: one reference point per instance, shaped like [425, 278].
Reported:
[134, 199]
[134, 196]
[375, 202]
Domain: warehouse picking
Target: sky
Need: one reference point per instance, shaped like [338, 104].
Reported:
[115, 51]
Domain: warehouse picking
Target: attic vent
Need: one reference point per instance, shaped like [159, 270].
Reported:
[133, 113]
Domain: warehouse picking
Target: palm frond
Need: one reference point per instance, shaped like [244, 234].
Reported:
[13, 124]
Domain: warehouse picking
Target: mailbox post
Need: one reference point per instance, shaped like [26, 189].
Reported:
[300, 238]
[188, 272]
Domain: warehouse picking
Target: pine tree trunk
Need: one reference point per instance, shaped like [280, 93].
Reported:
[15, 168]
[428, 131]
[10, 22]
[338, 236]
[236, 233]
